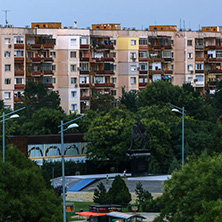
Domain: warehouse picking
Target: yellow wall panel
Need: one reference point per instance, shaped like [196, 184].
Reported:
[125, 43]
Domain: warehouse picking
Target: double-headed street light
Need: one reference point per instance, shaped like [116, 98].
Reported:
[3, 127]
[73, 125]
[177, 109]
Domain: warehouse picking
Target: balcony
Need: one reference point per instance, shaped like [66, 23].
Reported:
[143, 72]
[19, 72]
[167, 47]
[84, 59]
[17, 99]
[199, 47]
[143, 59]
[157, 47]
[199, 71]
[19, 59]
[84, 85]
[49, 85]
[19, 86]
[103, 46]
[105, 85]
[215, 71]
[199, 59]
[47, 46]
[108, 72]
[84, 97]
[48, 72]
[48, 59]
[36, 59]
[18, 46]
[84, 46]
[84, 71]
[35, 73]
[35, 46]
[156, 72]
[156, 59]
[214, 59]
[214, 47]
[168, 71]
[143, 84]
[143, 47]
[167, 59]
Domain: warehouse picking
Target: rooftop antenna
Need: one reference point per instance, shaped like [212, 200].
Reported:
[184, 25]
[189, 26]
[6, 20]
[180, 25]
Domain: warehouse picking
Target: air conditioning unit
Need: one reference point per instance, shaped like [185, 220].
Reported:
[138, 68]
[76, 85]
[10, 46]
[191, 72]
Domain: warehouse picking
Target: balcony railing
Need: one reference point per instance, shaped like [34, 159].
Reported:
[143, 72]
[84, 97]
[35, 73]
[19, 72]
[105, 85]
[143, 59]
[213, 47]
[84, 46]
[19, 86]
[19, 59]
[168, 71]
[36, 46]
[18, 46]
[143, 84]
[84, 71]
[49, 46]
[215, 71]
[109, 72]
[48, 59]
[49, 85]
[199, 59]
[84, 84]
[103, 46]
[214, 59]
[156, 72]
[84, 59]
[48, 72]
[36, 59]
[199, 71]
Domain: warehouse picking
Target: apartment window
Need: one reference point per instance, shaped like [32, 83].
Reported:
[73, 42]
[199, 66]
[113, 42]
[113, 92]
[53, 54]
[114, 67]
[84, 66]
[133, 68]
[133, 55]
[113, 80]
[190, 55]
[53, 67]
[98, 79]
[7, 81]
[7, 95]
[7, 67]
[133, 41]
[140, 80]
[84, 79]
[18, 53]
[73, 94]
[19, 81]
[74, 107]
[190, 79]
[7, 40]
[53, 80]
[7, 54]
[219, 54]
[73, 68]
[189, 42]
[133, 80]
[199, 78]
[143, 66]
[142, 41]
[84, 41]
[73, 80]
[142, 54]
[18, 39]
[113, 54]
[190, 67]
[73, 54]
[166, 54]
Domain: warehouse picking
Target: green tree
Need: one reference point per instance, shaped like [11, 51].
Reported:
[119, 192]
[194, 193]
[100, 194]
[24, 195]
[109, 135]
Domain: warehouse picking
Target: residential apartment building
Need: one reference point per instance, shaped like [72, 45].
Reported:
[81, 62]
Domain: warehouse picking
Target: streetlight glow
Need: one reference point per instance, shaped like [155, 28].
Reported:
[72, 126]
[14, 116]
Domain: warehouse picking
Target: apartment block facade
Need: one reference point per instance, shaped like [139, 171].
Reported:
[81, 62]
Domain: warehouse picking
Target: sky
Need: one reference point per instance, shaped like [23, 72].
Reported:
[137, 14]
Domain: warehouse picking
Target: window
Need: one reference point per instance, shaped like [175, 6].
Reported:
[7, 95]
[7, 40]
[73, 54]
[84, 79]
[113, 80]
[113, 42]
[114, 67]
[19, 81]
[133, 41]
[73, 68]
[219, 54]
[143, 66]
[18, 39]
[166, 54]
[133, 55]
[113, 54]
[199, 66]
[84, 66]
[7, 54]
[190, 55]
[7, 67]
[199, 78]
[53, 54]
[7, 81]
[98, 79]
[73, 42]
[190, 67]
[133, 67]
[113, 92]
[84, 41]
[142, 41]
[133, 80]
[73, 93]
[74, 107]
[142, 54]
[18, 53]
[190, 79]
[53, 67]
[73, 80]
[53, 80]
[189, 42]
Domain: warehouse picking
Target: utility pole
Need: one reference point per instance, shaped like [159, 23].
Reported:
[6, 20]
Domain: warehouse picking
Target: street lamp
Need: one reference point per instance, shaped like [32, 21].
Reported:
[3, 127]
[177, 109]
[63, 162]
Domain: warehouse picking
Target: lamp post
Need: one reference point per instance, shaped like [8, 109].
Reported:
[3, 127]
[63, 162]
[177, 109]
